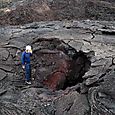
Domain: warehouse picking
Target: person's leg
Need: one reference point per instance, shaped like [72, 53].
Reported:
[28, 72]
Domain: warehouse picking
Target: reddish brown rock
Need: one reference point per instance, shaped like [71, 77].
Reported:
[57, 78]
[53, 70]
[58, 65]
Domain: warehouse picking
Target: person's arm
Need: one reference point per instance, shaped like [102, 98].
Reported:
[23, 60]
[30, 52]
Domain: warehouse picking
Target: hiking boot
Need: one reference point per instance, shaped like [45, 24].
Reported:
[28, 82]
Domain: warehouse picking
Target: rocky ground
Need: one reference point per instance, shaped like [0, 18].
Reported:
[15, 12]
[72, 68]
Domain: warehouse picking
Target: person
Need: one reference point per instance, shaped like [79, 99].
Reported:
[25, 59]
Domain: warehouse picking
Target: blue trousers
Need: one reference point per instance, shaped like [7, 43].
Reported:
[28, 72]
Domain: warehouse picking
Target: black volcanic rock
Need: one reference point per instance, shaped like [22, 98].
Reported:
[102, 97]
[80, 43]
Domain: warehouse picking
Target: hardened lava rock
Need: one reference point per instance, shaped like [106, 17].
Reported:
[58, 65]
[67, 79]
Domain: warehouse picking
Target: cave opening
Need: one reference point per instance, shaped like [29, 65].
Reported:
[57, 65]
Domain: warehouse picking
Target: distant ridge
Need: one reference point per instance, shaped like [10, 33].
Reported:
[26, 11]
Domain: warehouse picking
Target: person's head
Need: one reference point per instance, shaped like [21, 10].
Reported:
[28, 48]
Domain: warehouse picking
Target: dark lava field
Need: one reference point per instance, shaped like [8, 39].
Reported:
[73, 61]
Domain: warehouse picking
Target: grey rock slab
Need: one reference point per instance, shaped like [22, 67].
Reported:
[41, 24]
[93, 80]
[102, 62]
[6, 68]
[98, 24]
[102, 98]
[33, 103]
[38, 111]
[2, 74]
[102, 50]
[91, 72]
[10, 108]
[17, 43]
[76, 44]
[107, 30]
[2, 91]
[98, 68]
[4, 54]
[71, 104]
[107, 39]
[11, 46]
[4, 34]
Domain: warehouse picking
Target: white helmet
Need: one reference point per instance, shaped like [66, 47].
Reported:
[28, 48]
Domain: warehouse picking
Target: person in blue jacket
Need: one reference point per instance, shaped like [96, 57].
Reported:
[25, 59]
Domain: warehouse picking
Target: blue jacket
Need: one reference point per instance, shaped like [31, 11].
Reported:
[25, 59]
